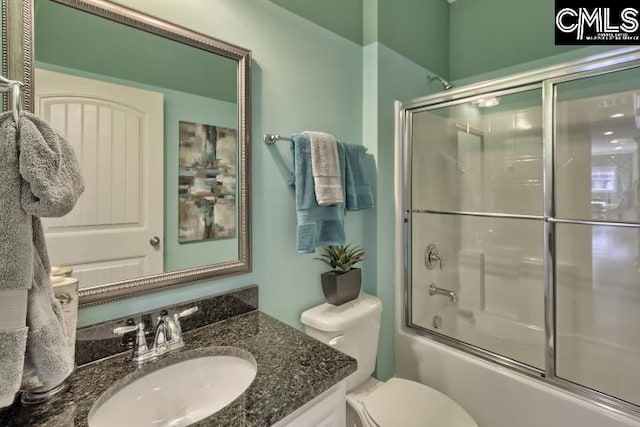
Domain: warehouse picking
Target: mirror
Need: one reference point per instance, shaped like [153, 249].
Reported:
[158, 116]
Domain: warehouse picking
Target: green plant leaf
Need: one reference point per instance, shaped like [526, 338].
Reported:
[342, 258]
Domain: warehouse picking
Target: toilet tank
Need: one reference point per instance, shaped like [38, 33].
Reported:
[352, 328]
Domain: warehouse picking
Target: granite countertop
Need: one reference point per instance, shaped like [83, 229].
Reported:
[293, 368]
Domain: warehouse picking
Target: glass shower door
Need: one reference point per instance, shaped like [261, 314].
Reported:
[597, 248]
[477, 222]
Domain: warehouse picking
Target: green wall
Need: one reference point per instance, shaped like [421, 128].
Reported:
[488, 35]
[389, 75]
[458, 41]
[418, 30]
[343, 17]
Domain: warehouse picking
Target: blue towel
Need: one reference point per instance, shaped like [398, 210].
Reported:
[355, 180]
[317, 225]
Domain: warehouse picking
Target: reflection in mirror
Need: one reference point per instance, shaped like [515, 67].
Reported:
[158, 118]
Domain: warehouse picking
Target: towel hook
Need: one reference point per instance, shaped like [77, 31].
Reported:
[16, 100]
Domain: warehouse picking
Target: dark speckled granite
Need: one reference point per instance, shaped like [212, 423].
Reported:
[293, 368]
[97, 341]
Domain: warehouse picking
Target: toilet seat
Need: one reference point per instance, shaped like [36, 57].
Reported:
[400, 402]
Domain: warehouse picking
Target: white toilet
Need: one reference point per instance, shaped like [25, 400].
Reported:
[353, 328]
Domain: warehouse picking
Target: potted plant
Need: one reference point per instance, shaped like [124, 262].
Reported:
[342, 283]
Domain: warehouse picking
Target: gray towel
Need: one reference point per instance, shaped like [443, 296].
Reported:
[52, 182]
[48, 361]
[326, 168]
[14, 308]
[11, 363]
[16, 251]
[39, 176]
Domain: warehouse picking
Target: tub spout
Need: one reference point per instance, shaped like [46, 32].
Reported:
[434, 290]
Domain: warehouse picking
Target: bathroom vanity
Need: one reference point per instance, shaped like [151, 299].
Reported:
[299, 381]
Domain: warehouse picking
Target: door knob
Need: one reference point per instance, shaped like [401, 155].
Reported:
[154, 241]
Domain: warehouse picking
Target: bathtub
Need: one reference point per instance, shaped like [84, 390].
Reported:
[508, 337]
[493, 395]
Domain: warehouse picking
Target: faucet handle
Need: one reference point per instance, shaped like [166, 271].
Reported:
[125, 329]
[187, 312]
[141, 351]
[432, 257]
[184, 313]
[174, 328]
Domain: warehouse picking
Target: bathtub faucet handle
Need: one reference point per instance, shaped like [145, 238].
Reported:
[432, 257]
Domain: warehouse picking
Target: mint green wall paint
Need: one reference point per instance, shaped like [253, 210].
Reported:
[488, 35]
[343, 17]
[186, 107]
[418, 30]
[387, 76]
[81, 41]
[370, 22]
[303, 77]
[465, 38]
[372, 279]
[548, 61]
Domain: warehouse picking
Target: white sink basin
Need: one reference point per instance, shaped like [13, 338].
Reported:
[176, 393]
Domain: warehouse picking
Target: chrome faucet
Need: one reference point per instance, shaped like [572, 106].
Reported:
[167, 336]
[434, 290]
[432, 257]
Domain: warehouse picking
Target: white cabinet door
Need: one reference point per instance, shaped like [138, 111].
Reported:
[326, 410]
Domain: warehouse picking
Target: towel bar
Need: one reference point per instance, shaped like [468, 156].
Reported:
[271, 139]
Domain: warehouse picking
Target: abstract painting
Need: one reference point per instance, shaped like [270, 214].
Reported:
[207, 182]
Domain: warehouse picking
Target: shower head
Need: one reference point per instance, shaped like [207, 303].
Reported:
[445, 84]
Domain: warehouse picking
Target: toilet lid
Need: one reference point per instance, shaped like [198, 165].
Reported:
[407, 403]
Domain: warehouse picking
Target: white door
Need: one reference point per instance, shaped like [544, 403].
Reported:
[117, 134]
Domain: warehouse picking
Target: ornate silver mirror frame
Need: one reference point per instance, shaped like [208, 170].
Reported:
[17, 62]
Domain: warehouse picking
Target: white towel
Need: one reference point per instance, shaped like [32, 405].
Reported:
[325, 167]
